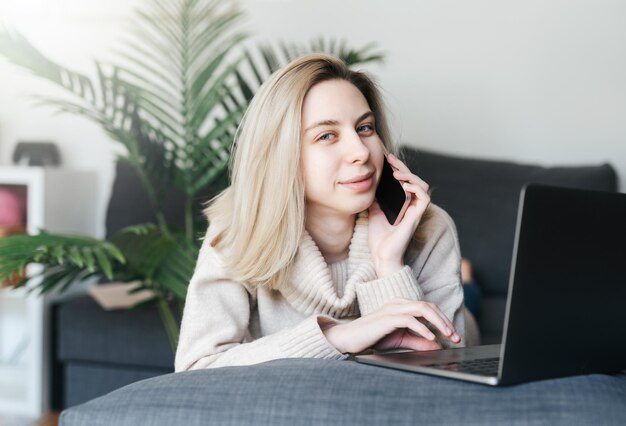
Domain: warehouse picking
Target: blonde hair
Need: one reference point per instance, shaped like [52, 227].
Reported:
[259, 219]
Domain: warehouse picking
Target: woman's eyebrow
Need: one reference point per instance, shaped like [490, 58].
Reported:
[335, 122]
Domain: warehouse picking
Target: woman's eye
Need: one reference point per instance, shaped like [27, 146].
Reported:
[366, 128]
[325, 137]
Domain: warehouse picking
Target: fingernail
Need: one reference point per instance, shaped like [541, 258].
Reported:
[448, 331]
[431, 336]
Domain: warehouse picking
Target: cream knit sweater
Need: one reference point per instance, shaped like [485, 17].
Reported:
[227, 323]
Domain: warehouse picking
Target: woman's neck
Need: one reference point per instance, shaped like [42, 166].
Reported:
[332, 234]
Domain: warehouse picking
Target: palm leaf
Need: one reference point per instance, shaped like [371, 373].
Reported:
[22, 53]
[187, 53]
[144, 251]
[66, 257]
[176, 270]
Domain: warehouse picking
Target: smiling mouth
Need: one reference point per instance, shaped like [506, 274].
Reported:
[361, 183]
[358, 179]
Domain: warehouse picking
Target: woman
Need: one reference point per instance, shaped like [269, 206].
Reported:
[299, 260]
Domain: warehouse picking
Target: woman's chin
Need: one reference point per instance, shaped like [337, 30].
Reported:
[348, 206]
[362, 206]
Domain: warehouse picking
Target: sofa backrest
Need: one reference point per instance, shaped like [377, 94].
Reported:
[482, 197]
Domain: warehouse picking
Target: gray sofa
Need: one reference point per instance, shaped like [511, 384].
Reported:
[322, 392]
[482, 198]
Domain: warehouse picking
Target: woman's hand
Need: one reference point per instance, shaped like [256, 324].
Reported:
[388, 243]
[395, 325]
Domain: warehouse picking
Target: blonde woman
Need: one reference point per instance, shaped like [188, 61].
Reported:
[299, 260]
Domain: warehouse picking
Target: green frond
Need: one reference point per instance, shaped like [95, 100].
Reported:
[64, 258]
[176, 270]
[203, 10]
[140, 229]
[211, 175]
[200, 79]
[170, 323]
[269, 56]
[89, 259]
[214, 33]
[159, 83]
[140, 305]
[247, 90]
[79, 276]
[212, 153]
[166, 61]
[58, 253]
[114, 252]
[74, 255]
[167, 119]
[70, 107]
[162, 27]
[103, 262]
[17, 49]
[211, 96]
[222, 127]
[168, 9]
[144, 249]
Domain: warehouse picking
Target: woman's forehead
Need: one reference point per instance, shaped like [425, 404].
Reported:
[333, 101]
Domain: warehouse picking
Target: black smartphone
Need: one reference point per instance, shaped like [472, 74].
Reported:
[391, 196]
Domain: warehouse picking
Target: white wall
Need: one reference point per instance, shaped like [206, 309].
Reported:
[534, 81]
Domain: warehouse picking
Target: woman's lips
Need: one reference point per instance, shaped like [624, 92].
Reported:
[361, 185]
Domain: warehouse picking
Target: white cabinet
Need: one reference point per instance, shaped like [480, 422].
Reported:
[59, 201]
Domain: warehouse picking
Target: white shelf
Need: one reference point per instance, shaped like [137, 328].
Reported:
[13, 390]
[59, 201]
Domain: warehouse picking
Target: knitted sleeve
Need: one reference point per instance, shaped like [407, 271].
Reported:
[432, 275]
[214, 329]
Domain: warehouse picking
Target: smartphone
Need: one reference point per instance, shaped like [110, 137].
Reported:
[391, 196]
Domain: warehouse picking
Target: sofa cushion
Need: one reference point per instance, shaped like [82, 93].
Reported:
[137, 337]
[83, 381]
[327, 392]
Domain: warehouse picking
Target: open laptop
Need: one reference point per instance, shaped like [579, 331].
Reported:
[566, 307]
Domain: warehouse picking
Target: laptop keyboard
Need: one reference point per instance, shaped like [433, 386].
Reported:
[482, 367]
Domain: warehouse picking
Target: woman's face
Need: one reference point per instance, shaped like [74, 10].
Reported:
[342, 155]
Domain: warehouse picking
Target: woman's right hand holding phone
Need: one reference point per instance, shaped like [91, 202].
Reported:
[395, 325]
[388, 242]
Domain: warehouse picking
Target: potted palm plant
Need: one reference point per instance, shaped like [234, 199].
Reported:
[173, 102]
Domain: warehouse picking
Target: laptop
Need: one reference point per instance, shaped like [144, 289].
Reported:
[566, 307]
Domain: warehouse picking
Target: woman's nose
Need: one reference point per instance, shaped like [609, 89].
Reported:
[357, 150]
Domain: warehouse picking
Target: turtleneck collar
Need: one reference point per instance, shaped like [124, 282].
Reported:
[311, 289]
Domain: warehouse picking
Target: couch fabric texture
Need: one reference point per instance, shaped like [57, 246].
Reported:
[326, 392]
[100, 351]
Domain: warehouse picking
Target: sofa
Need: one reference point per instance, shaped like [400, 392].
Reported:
[131, 346]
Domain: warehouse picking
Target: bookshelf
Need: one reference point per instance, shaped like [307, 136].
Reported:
[60, 201]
